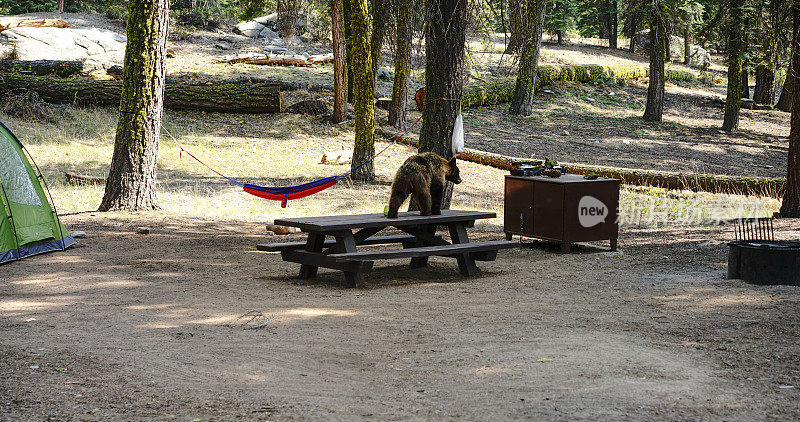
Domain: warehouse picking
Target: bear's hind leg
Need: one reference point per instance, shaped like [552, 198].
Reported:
[423, 202]
[398, 197]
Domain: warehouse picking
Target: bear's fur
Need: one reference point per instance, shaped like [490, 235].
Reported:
[423, 176]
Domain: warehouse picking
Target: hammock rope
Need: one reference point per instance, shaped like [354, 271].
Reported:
[286, 193]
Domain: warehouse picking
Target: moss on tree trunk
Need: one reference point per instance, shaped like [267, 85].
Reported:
[339, 68]
[363, 92]
[654, 109]
[132, 177]
[402, 64]
[733, 99]
[522, 100]
[380, 20]
[791, 199]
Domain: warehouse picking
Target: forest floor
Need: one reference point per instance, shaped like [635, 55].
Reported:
[144, 327]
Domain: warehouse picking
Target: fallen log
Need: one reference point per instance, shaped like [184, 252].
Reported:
[73, 178]
[264, 59]
[760, 186]
[38, 23]
[42, 67]
[501, 90]
[226, 97]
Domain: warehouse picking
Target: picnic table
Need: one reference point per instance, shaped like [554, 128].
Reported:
[347, 233]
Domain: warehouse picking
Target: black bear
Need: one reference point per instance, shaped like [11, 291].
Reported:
[422, 176]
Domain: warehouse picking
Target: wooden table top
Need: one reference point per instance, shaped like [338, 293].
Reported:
[346, 222]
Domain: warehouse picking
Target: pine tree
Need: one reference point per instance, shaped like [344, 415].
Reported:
[363, 91]
[132, 177]
[522, 100]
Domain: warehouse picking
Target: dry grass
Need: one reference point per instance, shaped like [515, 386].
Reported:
[286, 149]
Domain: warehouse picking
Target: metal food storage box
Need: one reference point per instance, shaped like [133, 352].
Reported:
[565, 209]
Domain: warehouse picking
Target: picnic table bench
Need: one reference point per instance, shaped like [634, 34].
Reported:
[419, 242]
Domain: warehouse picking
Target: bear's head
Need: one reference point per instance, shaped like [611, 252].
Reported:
[452, 173]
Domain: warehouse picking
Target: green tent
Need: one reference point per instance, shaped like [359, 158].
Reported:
[28, 224]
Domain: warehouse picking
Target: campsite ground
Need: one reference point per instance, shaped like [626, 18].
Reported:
[144, 327]
[133, 327]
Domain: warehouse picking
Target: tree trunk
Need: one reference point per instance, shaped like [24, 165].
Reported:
[687, 44]
[667, 35]
[380, 20]
[363, 93]
[790, 207]
[614, 26]
[603, 20]
[348, 36]
[785, 99]
[654, 109]
[445, 38]
[402, 64]
[226, 97]
[734, 98]
[632, 24]
[745, 83]
[42, 67]
[288, 12]
[764, 92]
[132, 177]
[60, 6]
[560, 36]
[339, 70]
[522, 101]
[518, 24]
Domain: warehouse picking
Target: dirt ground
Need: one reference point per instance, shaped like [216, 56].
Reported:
[144, 327]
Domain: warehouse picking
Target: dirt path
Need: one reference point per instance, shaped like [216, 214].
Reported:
[131, 327]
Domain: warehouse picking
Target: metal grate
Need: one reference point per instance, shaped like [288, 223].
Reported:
[754, 229]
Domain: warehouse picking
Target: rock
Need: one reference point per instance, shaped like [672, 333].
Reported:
[142, 230]
[278, 41]
[274, 49]
[249, 29]
[78, 234]
[229, 39]
[268, 34]
[676, 46]
[385, 74]
[313, 107]
[270, 21]
[222, 46]
[96, 48]
[700, 57]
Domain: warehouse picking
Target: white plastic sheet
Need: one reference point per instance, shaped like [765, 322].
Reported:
[457, 141]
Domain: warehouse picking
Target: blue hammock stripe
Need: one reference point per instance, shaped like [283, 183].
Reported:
[286, 190]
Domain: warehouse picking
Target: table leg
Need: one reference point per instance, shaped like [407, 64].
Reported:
[313, 244]
[466, 263]
[422, 261]
[346, 242]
